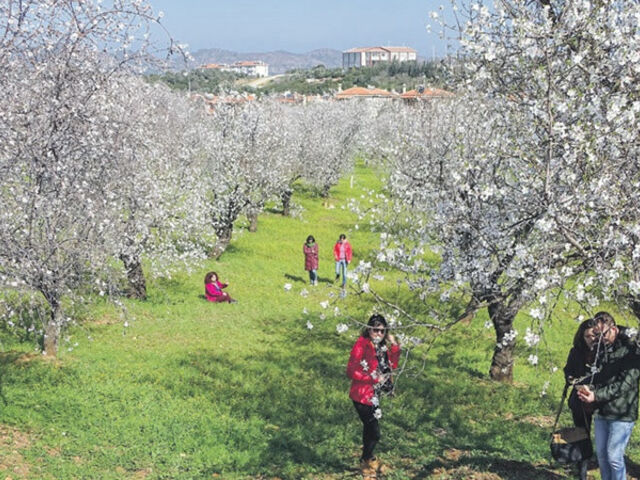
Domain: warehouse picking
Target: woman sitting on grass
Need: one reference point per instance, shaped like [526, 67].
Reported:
[213, 289]
[369, 369]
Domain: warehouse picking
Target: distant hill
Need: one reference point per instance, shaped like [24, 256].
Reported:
[279, 61]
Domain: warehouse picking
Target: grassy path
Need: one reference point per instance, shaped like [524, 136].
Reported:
[192, 390]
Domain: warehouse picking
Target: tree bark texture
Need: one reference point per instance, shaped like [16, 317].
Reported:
[224, 238]
[502, 362]
[52, 330]
[286, 202]
[135, 276]
[253, 222]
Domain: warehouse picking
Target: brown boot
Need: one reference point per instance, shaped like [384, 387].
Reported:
[381, 468]
[369, 469]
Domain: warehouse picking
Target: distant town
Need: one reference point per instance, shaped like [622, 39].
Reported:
[369, 72]
[354, 57]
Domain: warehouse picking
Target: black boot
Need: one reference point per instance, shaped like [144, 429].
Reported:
[582, 469]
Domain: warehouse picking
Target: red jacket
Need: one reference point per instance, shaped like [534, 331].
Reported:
[361, 380]
[213, 290]
[347, 251]
[310, 256]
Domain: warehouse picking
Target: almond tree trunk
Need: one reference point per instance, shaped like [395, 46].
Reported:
[135, 276]
[52, 329]
[224, 238]
[286, 202]
[253, 222]
[502, 361]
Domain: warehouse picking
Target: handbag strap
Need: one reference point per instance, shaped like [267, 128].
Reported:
[564, 396]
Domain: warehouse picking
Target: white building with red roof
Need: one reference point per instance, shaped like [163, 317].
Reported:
[250, 68]
[369, 56]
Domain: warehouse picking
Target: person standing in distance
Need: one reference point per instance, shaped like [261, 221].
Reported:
[342, 253]
[310, 250]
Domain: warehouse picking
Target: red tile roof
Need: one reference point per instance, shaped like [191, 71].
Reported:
[248, 63]
[428, 92]
[363, 92]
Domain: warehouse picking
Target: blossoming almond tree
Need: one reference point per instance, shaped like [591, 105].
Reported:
[57, 212]
[242, 150]
[462, 194]
[156, 179]
[509, 187]
[571, 70]
[328, 133]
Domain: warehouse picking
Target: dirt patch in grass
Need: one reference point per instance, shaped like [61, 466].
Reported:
[24, 359]
[544, 421]
[463, 473]
[107, 320]
[453, 454]
[456, 464]
[142, 474]
[12, 463]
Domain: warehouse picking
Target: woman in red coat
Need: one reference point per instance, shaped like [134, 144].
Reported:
[213, 289]
[373, 357]
[310, 250]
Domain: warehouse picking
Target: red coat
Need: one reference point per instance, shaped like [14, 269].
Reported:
[361, 381]
[213, 291]
[310, 256]
[347, 251]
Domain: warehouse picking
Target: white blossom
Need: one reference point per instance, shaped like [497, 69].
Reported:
[341, 328]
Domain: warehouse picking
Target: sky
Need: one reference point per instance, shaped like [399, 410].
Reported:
[299, 26]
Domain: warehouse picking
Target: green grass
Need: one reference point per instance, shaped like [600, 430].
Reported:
[192, 390]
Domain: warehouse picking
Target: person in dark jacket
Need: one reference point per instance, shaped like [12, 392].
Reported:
[577, 372]
[617, 397]
[373, 357]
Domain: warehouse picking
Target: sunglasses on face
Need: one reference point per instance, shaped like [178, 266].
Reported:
[377, 330]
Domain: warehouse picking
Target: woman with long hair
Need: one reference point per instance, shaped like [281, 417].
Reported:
[213, 289]
[576, 372]
[373, 358]
[310, 250]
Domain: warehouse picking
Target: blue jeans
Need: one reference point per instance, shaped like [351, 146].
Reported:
[313, 275]
[341, 266]
[612, 437]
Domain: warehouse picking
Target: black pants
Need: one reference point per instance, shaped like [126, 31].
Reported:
[370, 429]
[582, 419]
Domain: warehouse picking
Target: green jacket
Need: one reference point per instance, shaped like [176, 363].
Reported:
[619, 394]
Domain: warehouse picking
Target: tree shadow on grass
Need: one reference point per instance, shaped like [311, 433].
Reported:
[292, 416]
[276, 394]
[486, 467]
[447, 359]
[9, 359]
